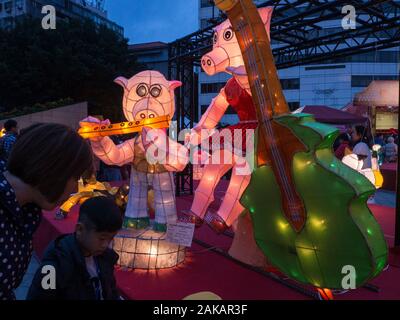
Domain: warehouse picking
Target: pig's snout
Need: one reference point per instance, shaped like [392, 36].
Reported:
[216, 61]
[147, 109]
[147, 114]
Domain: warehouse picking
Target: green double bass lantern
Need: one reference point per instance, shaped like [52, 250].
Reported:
[309, 211]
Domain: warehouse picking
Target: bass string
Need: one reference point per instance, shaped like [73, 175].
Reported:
[262, 101]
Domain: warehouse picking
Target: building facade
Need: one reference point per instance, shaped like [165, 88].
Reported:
[333, 83]
[154, 55]
[12, 10]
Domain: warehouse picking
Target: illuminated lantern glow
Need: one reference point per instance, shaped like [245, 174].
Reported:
[147, 249]
[89, 189]
[147, 95]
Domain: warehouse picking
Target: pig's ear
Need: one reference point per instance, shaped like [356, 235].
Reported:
[266, 15]
[174, 84]
[123, 82]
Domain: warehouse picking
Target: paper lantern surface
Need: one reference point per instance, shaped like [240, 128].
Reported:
[147, 249]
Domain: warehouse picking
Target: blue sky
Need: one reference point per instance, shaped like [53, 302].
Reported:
[154, 20]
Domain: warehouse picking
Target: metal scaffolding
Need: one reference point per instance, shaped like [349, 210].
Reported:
[298, 38]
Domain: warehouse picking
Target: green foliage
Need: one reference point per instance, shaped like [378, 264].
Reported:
[78, 60]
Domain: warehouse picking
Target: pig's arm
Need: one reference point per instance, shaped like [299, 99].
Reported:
[112, 154]
[214, 113]
[178, 156]
[174, 155]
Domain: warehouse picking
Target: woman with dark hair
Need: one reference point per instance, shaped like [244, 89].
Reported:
[343, 148]
[42, 171]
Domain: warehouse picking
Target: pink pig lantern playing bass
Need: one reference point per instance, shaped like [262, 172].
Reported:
[226, 57]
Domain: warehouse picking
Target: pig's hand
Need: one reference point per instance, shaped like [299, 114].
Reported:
[92, 122]
[154, 137]
[161, 149]
[105, 149]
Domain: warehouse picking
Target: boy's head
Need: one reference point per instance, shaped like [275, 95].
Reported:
[99, 221]
[11, 126]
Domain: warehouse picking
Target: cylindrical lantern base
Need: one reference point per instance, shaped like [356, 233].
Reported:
[146, 249]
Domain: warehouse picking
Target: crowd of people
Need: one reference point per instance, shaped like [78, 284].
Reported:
[358, 141]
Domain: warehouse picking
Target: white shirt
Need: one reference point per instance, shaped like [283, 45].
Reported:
[91, 268]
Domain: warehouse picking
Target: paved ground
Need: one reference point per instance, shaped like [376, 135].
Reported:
[382, 197]
[385, 198]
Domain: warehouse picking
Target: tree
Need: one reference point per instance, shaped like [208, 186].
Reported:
[78, 60]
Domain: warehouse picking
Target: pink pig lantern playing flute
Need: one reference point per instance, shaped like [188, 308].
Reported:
[148, 104]
[226, 57]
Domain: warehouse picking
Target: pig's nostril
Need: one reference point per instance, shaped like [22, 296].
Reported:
[142, 115]
[203, 62]
[209, 62]
[151, 116]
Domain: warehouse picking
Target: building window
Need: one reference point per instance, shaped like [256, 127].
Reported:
[204, 23]
[364, 81]
[290, 84]
[371, 57]
[206, 3]
[387, 56]
[19, 5]
[7, 6]
[214, 87]
[36, 5]
[342, 66]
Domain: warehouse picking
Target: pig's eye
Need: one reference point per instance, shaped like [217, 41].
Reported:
[228, 34]
[141, 90]
[215, 38]
[155, 91]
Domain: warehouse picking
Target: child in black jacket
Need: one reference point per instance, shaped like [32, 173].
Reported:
[80, 266]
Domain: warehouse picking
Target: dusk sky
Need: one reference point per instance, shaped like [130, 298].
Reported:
[154, 20]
